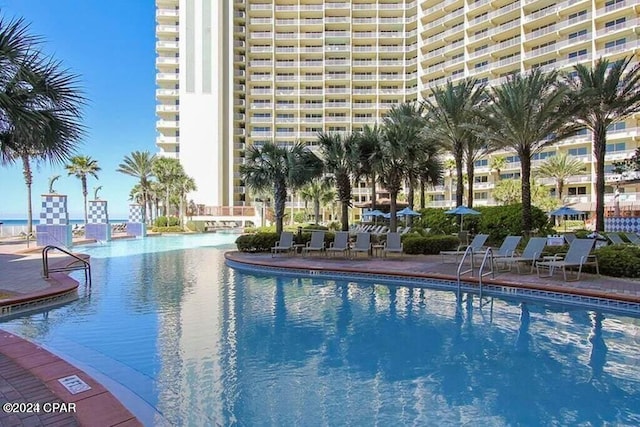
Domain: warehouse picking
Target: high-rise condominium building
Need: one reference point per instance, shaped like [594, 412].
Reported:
[235, 73]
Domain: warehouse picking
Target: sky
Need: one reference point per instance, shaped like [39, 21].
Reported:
[111, 46]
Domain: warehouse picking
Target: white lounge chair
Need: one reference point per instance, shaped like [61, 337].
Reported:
[507, 249]
[363, 244]
[577, 256]
[476, 244]
[340, 243]
[531, 253]
[285, 244]
[393, 244]
[316, 244]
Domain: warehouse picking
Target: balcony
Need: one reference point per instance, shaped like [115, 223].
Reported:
[167, 45]
[167, 29]
[167, 13]
[168, 140]
[167, 77]
[167, 60]
[167, 124]
[168, 93]
[160, 108]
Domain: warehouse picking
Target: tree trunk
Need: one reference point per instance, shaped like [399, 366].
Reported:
[393, 208]
[459, 183]
[84, 197]
[470, 171]
[560, 188]
[28, 179]
[316, 210]
[422, 194]
[410, 196]
[373, 191]
[280, 198]
[166, 206]
[525, 160]
[599, 150]
[344, 215]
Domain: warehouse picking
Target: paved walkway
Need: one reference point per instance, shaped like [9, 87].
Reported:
[29, 373]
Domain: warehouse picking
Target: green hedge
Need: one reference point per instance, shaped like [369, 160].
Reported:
[257, 242]
[171, 229]
[619, 260]
[431, 245]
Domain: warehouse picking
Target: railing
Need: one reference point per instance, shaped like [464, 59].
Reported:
[487, 255]
[468, 251]
[78, 263]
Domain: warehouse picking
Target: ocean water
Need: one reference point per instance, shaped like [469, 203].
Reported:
[23, 222]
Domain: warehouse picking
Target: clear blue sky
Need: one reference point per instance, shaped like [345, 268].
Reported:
[111, 45]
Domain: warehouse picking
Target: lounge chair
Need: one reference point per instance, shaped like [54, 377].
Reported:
[576, 256]
[363, 244]
[285, 244]
[393, 244]
[476, 244]
[507, 249]
[633, 238]
[615, 238]
[531, 253]
[316, 244]
[340, 243]
[569, 237]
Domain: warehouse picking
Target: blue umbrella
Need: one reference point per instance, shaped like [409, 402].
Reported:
[565, 210]
[462, 211]
[374, 213]
[408, 212]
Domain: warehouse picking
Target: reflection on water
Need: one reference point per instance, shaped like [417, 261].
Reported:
[206, 344]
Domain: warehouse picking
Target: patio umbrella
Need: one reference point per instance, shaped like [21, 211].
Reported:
[565, 211]
[376, 213]
[408, 212]
[462, 211]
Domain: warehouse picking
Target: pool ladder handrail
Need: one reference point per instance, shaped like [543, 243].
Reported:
[459, 273]
[488, 254]
[84, 264]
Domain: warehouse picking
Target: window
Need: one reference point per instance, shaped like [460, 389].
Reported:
[577, 53]
[575, 16]
[544, 155]
[617, 127]
[615, 23]
[615, 43]
[481, 195]
[481, 64]
[480, 179]
[577, 191]
[512, 175]
[577, 34]
[577, 151]
[481, 163]
[512, 159]
[619, 146]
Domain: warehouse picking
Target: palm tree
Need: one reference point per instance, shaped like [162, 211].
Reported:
[560, 168]
[166, 171]
[431, 171]
[450, 113]
[139, 165]
[40, 105]
[369, 147]
[184, 184]
[316, 191]
[341, 158]
[474, 148]
[81, 167]
[450, 166]
[608, 93]
[279, 167]
[527, 113]
[403, 133]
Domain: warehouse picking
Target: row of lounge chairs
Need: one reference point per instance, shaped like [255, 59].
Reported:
[340, 245]
[505, 257]
[379, 229]
[617, 240]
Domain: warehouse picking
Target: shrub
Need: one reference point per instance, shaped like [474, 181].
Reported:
[257, 242]
[161, 221]
[437, 221]
[619, 260]
[314, 227]
[172, 221]
[197, 226]
[432, 245]
[501, 221]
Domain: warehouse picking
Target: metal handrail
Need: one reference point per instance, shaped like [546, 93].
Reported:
[85, 265]
[459, 273]
[488, 254]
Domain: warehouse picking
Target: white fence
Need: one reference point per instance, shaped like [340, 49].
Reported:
[13, 230]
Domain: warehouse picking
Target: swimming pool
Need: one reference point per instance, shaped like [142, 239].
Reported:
[205, 344]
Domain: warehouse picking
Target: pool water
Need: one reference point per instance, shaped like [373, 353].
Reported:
[205, 344]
